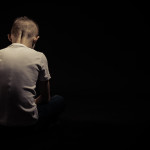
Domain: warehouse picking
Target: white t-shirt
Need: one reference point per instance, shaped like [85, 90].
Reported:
[20, 68]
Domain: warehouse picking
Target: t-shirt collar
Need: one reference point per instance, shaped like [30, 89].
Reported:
[18, 44]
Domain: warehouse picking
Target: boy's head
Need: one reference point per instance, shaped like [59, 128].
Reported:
[24, 30]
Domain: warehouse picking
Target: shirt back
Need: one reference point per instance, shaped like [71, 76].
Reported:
[20, 68]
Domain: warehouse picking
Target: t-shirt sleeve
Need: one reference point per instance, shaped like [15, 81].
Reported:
[44, 73]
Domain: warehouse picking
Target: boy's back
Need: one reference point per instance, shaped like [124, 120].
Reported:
[20, 68]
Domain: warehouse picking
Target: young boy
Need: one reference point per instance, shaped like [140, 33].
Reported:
[20, 69]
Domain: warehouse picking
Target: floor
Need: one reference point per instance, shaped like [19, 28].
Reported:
[91, 122]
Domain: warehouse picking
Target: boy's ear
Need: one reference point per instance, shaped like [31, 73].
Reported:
[9, 37]
[36, 38]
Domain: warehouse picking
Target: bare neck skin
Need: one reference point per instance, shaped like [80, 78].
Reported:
[23, 40]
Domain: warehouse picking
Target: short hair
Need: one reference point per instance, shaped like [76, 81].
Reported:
[24, 26]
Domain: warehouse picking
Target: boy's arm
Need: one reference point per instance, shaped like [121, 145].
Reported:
[44, 88]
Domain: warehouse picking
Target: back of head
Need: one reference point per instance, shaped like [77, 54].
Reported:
[25, 28]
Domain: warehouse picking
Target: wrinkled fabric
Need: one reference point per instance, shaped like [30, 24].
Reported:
[20, 68]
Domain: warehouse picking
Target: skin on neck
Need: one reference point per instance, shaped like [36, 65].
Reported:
[23, 40]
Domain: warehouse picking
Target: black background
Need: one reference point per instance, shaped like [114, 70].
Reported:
[98, 56]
